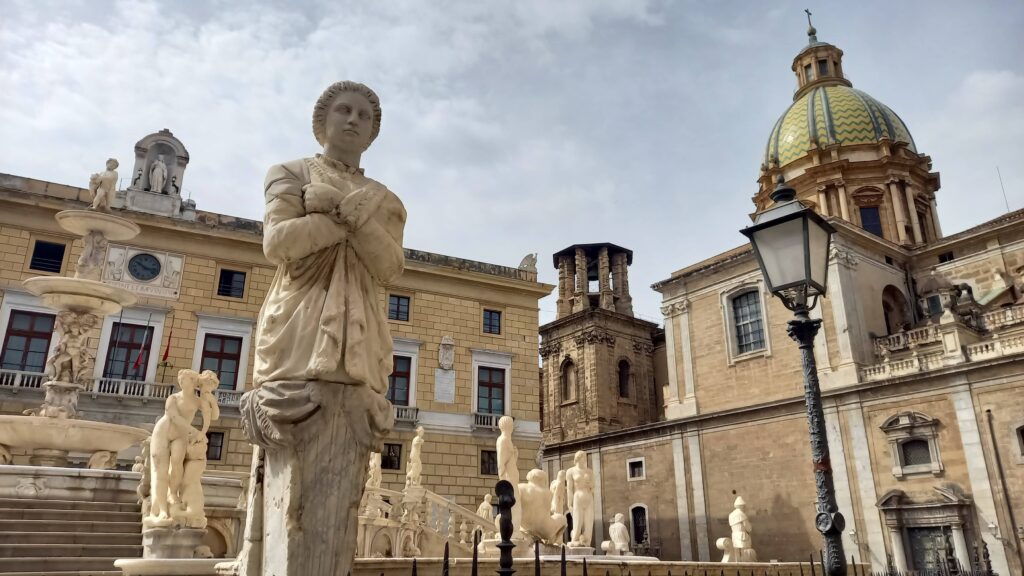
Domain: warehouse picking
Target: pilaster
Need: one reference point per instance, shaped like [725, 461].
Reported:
[914, 221]
[897, 206]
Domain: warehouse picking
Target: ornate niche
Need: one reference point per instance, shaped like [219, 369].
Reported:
[157, 176]
[914, 443]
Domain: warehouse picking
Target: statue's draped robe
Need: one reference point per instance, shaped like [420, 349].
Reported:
[323, 356]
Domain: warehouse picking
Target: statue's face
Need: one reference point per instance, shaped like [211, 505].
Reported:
[111, 164]
[349, 122]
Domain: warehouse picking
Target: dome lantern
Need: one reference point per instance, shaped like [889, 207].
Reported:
[818, 64]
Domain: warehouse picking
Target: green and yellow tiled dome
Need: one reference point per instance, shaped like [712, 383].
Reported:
[833, 115]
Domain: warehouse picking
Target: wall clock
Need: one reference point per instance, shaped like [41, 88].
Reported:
[144, 267]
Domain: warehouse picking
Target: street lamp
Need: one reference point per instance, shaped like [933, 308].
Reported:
[791, 244]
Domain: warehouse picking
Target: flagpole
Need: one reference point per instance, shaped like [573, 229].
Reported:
[117, 338]
[145, 336]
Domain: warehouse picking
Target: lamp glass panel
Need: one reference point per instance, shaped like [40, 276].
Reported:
[781, 247]
[817, 244]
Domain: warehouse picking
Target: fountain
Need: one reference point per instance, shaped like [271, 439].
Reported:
[53, 430]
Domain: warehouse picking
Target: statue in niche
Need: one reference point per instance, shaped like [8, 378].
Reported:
[446, 353]
[138, 177]
[538, 522]
[558, 493]
[412, 475]
[158, 175]
[103, 186]
[618, 545]
[335, 237]
[742, 547]
[174, 186]
[177, 452]
[580, 489]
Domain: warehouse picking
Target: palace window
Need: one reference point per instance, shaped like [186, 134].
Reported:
[747, 322]
[231, 283]
[913, 443]
[492, 322]
[638, 516]
[568, 381]
[488, 463]
[871, 220]
[128, 352]
[27, 341]
[398, 308]
[391, 457]
[490, 390]
[47, 256]
[635, 469]
[222, 354]
[398, 381]
[624, 378]
[214, 445]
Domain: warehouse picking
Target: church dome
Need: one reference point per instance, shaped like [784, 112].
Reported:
[835, 114]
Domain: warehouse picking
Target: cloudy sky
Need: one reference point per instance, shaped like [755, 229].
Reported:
[517, 126]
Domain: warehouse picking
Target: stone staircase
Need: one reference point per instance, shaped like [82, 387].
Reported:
[67, 537]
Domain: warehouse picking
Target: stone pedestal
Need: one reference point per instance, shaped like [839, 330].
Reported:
[579, 551]
[180, 567]
[171, 543]
[48, 457]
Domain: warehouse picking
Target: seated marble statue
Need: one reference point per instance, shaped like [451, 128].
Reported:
[619, 534]
[537, 521]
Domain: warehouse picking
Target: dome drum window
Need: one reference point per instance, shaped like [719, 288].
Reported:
[913, 441]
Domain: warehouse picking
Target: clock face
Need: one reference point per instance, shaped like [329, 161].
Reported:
[144, 267]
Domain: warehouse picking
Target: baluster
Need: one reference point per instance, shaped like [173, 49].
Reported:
[463, 534]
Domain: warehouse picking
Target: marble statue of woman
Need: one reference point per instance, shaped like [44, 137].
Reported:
[171, 437]
[103, 186]
[323, 351]
[580, 489]
[508, 465]
[412, 475]
[157, 175]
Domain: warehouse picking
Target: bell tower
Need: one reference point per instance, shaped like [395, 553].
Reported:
[598, 372]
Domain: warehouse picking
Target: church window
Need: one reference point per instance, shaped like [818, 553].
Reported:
[488, 463]
[808, 72]
[398, 381]
[638, 516]
[47, 256]
[398, 308]
[568, 381]
[391, 457]
[934, 305]
[27, 341]
[231, 284]
[871, 220]
[915, 452]
[746, 311]
[913, 442]
[624, 378]
[635, 469]
[822, 68]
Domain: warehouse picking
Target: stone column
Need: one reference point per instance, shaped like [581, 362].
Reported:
[843, 207]
[897, 207]
[914, 222]
[624, 305]
[960, 545]
[672, 394]
[565, 289]
[899, 557]
[580, 299]
[604, 279]
[935, 219]
[823, 200]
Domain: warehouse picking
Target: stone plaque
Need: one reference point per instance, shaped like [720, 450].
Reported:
[444, 386]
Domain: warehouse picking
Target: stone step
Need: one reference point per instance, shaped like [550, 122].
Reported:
[130, 539]
[70, 573]
[70, 526]
[70, 551]
[65, 515]
[58, 565]
[24, 503]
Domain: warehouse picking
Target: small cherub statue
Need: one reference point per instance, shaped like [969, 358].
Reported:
[103, 186]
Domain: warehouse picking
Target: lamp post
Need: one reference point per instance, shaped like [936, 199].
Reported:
[791, 244]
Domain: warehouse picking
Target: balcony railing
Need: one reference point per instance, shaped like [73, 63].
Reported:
[1002, 317]
[485, 421]
[406, 414]
[901, 340]
[112, 387]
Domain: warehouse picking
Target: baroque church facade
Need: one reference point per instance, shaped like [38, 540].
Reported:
[920, 362]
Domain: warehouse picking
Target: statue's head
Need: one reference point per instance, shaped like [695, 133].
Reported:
[209, 381]
[488, 498]
[739, 503]
[537, 477]
[619, 518]
[187, 380]
[347, 115]
[112, 164]
[419, 431]
[561, 476]
[506, 424]
[580, 459]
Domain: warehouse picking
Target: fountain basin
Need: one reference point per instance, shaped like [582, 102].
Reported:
[112, 227]
[49, 440]
[79, 294]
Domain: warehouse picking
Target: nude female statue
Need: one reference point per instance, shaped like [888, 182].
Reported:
[171, 437]
[580, 488]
